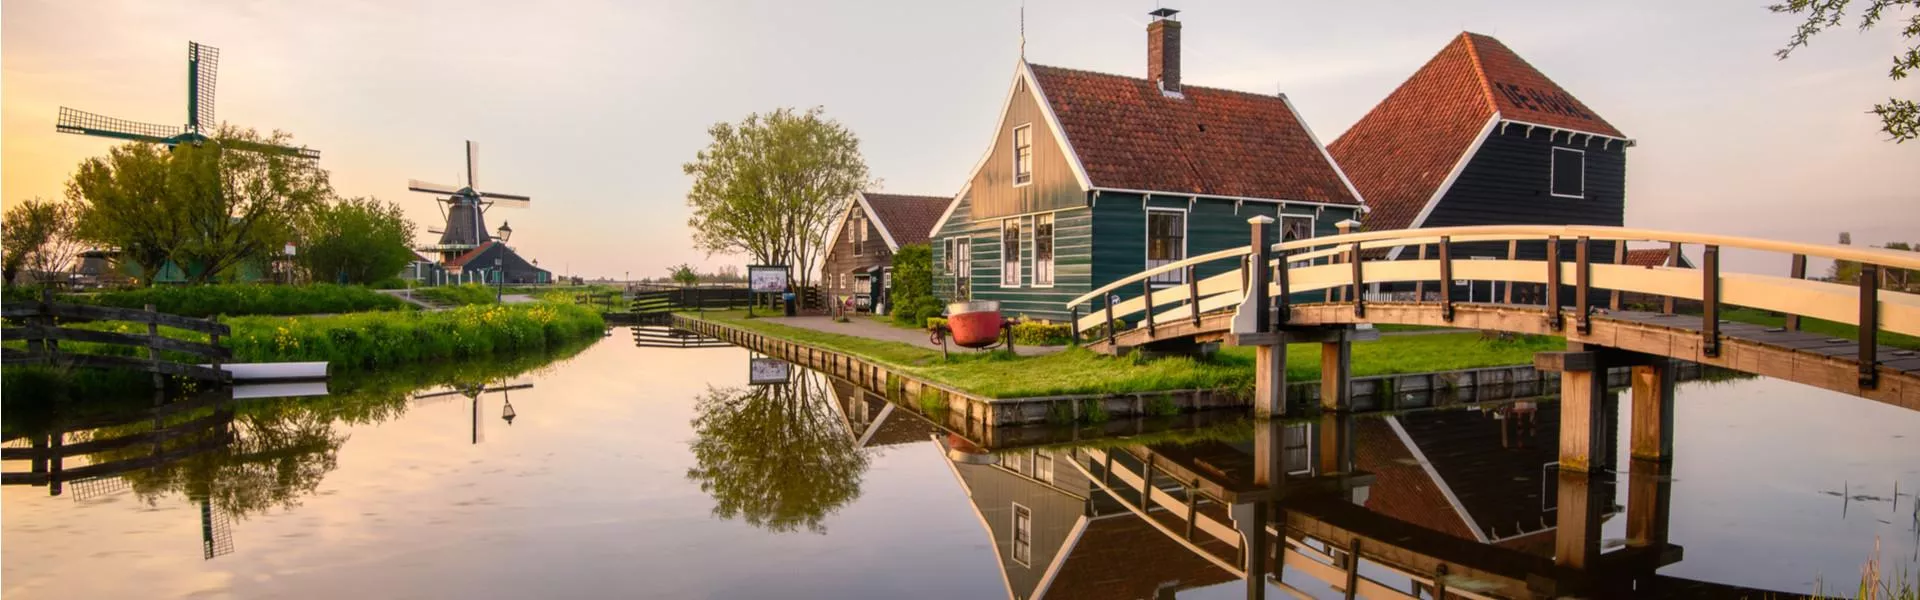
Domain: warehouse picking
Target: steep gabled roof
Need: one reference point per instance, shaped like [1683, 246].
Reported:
[904, 219]
[1126, 134]
[1405, 151]
[472, 254]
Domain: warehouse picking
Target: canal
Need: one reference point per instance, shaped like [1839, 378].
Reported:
[662, 472]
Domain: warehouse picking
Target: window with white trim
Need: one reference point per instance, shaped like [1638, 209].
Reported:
[1166, 242]
[1023, 155]
[1569, 173]
[960, 264]
[1010, 253]
[1296, 227]
[1022, 535]
[1043, 467]
[1043, 250]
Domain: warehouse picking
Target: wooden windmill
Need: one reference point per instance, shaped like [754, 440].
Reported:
[203, 64]
[465, 209]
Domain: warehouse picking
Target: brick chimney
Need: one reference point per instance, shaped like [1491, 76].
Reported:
[1163, 50]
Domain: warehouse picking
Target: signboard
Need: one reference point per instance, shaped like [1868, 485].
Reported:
[767, 279]
[764, 371]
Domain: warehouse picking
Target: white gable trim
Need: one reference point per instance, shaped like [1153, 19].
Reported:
[1445, 489]
[1625, 142]
[1025, 74]
[1326, 155]
[952, 204]
[874, 218]
[1059, 556]
[1459, 165]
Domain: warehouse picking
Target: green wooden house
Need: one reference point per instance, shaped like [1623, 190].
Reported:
[1092, 177]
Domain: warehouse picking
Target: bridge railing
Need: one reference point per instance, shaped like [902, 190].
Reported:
[1328, 264]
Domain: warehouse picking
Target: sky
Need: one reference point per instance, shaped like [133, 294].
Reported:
[592, 107]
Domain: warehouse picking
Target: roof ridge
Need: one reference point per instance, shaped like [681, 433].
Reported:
[1479, 71]
[1183, 85]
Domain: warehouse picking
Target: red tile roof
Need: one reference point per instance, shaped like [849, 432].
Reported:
[1400, 153]
[471, 254]
[909, 219]
[1129, 135]
[1652, 257]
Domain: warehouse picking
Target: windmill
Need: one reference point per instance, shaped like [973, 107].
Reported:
[203, 63]
[465, 210]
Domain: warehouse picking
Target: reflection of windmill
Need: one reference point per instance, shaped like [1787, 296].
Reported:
[465, 210]
[473, 392]
[203, 62]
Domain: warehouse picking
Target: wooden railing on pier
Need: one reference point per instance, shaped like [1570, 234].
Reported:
[691, 298]
[42, 331]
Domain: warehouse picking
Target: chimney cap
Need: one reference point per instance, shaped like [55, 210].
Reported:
[1163, 13]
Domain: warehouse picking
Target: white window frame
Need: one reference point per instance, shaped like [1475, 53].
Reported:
[1010, 265]
[1281, 233]
[1033, 249]
[1021, 538]
[1043, 466]
[1027, 128]
[963, 267]
[1146, 248]
[1554, 165]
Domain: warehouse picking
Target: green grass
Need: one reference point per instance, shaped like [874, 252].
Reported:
[466, 294]
[247, 299]
[1081, 371]
[1830, 328]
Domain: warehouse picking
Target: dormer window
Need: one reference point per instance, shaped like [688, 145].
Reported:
[1569, 173]
[1023, 155]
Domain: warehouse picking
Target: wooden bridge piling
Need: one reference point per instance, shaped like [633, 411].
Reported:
[1583, 389]
[1651, 432]
[1336, 372]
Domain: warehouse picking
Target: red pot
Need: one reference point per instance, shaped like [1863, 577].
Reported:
[975, 324]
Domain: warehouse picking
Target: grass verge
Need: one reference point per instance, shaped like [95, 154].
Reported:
[1080, 371]
[466, 294]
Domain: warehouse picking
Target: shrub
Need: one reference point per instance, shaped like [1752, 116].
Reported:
[379, 339]
[249, 299]
[390, 283]
[918, 311]
[466, 294]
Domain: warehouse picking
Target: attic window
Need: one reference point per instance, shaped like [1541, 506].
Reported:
[1569, 173]
[1023, 154]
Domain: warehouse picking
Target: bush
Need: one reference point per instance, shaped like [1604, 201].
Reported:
[249, 299]
[379, 339]
[466, 294]
[917, 311]
[390, 283]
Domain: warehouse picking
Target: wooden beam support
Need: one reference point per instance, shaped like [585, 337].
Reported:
[1583, 389]
[1649, 502]
[1336, 374]
[1619, 258]
[1576, 537]
[1555, 321]
[1269, 380]
[1651, 435]
[1710, 301]
[1797, 271]
[1446, 278]
[1673, 260]
[1107, 301]
[1146, 295]
[1513, 253]
[1359, 294]
[1420, 287]
[1869, 326]
[1581, 266]
[1193, 295]
[1284, 309]
[1073, 316]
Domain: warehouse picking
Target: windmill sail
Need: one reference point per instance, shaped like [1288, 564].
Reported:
[86, 123]
[473, 164]
[416, 185]
[203, 67]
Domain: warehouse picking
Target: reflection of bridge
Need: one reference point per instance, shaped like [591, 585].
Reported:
[1345, 505]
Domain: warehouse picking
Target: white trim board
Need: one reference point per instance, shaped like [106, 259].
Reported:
[1445, 489]
[1459, 165]
[874, 218]
[1326, 155]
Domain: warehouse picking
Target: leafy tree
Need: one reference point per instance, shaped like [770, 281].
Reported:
[776, 456]
[207, 207]
[684, 274]
[39, 237]
[356, 240]
[1899, 118]
[769, 186]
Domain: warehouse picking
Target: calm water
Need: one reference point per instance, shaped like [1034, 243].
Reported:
[656, 472]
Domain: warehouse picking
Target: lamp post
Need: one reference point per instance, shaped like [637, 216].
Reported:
[499, 283]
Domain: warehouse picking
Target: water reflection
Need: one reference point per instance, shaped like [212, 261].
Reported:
[775, 454]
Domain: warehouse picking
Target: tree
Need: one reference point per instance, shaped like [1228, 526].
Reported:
[40, 238]
[206, 207]
[683, 274]
[776, 456]
[1899, 118]
[769, 186]
[356, 240]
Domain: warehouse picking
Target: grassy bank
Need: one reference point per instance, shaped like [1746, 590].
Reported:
[1079, 371]
[466, 294]
[246, 299]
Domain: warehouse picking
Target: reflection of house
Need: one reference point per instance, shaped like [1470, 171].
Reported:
[1482, 475]
[859, 260]
[874, 422]
[1092, 177]
[1058, 536]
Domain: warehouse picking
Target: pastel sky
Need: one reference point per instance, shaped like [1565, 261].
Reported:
[591, 107]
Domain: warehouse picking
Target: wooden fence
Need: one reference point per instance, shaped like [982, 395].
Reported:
[39, 325]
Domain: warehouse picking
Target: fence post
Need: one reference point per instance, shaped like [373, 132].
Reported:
[213, 339]
[1255, 277]
[1797, 271]
[38, 347]
[1446, 278]
[1107, 301]
[1513, 253]
[1580, 261]
[1710, 301]
[153, 355]
[1554, 318]
[1146, 295]
[1073, 325]
[1619, 258]
[1193, 295]
[1284, 311]
[1359, 296]
[1673, 260]
[1869, 326]
[1420, 287]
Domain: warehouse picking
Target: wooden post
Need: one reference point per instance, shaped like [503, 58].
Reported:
[1554, 318]
[1619, 258]
[1269, 359]
[1580, 265]
[153, 354]
[1446, 278]
[1359, 295]
[213, 339]
[1420, 287]
[1193, 295]
[1576, 536]
[1270, 380]
[1146, 295]
[1336, 373]
[1652, 430]
[1869, 326]
[1513, 253]
[1284, 308]
[1107, 301]
[1710, 301]
[1583, 389]
[1073, 321]
[1797, 271]
[1649, 498]
[1673, 260]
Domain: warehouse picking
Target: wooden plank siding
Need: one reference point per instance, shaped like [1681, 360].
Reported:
[1053, 187]
[1506, 183]
[1120, 226]
[841, 262]
[1072, 263]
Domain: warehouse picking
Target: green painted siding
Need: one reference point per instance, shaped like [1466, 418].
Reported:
[1072, 241]
[1120, 230]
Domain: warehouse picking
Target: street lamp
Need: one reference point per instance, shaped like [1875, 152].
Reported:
[506, 413]
[506, 231]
